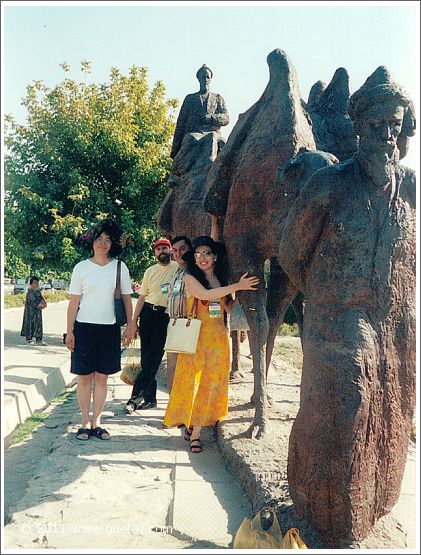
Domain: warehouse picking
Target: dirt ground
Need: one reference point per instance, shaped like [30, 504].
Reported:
[261, 465]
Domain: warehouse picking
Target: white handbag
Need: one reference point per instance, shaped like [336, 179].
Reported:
[183, 333]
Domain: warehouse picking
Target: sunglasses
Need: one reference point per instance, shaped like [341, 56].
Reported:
[203, 254]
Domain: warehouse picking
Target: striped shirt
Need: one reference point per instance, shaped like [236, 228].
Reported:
[177, 304]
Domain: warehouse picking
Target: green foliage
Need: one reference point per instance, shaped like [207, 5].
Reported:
[290, 352]
[11, 300]
[87, 152]
[289, 329]
[37, 419]
[14, 266]
[28, 427]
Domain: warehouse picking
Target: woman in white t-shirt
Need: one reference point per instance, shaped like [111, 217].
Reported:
[92, 333]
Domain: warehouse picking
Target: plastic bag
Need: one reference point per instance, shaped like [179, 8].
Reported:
[292, 540]
[251, 534]
[237, 319]
[132, 366]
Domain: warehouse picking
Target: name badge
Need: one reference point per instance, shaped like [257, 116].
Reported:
[215, 309]
[164, 288]
[177, 287]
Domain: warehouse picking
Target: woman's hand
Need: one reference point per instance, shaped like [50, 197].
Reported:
[128, 335]
[70, 341]
[135, 329]
[248, 283]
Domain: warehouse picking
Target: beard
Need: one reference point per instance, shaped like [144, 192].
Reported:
[380, 162]
[164, 258]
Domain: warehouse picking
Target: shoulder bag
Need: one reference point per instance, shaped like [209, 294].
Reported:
[183, 333]
[120, 312]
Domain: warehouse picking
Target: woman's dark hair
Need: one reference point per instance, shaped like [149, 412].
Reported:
[112, 229]
[32, 279]
[221, 269]
[221, 264]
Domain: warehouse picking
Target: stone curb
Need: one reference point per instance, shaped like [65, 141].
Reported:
[34, 397]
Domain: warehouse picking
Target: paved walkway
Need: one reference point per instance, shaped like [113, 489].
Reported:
[32, 374]
[142, 489]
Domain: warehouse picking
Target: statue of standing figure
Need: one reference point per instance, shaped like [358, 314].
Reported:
[349, 245]
[200, 112]
[196, 143]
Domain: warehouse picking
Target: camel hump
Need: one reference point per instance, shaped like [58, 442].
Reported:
[283, 77]
[269, 133]
[335, 98]
[315, 93]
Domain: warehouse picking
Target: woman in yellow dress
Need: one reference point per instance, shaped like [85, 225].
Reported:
[199, 396]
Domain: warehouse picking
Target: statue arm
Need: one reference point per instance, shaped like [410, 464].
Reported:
[221, 116]
[301, 232]
[180, 129]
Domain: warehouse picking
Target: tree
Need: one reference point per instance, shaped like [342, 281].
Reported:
[87, 151]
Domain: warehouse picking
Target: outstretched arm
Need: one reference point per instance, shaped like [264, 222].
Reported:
[195, 289]
[301, 232]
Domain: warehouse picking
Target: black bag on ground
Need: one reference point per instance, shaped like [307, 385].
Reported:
[120, 312]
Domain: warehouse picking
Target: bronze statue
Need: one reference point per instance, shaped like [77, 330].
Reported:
[242, 188]
[348, 244]
[200, 112]
[197, 142]
[328, 109]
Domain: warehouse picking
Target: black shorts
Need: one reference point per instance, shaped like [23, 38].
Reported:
[97, 349]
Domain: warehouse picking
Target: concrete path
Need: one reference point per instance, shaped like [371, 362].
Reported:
[32, 375]
[141, 489]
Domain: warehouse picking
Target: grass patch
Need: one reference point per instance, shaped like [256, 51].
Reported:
[63, 397]
[291, 353]
[12, 301]
[31, 424]
[289, 330]
[28, 427]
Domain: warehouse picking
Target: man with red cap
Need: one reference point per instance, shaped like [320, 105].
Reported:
[150, 307]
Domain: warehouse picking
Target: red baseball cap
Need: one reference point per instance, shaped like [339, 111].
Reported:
[161, 241]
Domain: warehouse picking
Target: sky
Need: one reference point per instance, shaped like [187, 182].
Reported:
[173, 39]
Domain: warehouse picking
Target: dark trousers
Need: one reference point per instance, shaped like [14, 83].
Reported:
[153, 333]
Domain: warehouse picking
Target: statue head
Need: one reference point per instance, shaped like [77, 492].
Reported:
[382, 112]
[204, 75]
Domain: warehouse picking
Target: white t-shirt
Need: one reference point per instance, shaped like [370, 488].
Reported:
[96, 285]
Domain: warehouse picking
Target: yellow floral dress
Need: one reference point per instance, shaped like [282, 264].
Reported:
[199, 395]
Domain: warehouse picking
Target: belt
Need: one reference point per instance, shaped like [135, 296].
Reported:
[157, 307]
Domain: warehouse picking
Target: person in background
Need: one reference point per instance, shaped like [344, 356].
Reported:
[199, 396]
[151, 310]
[32, 316]
[93, 336]
[177, 301]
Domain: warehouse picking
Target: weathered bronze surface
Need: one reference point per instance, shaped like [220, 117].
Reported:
[328, 109]
[242, 186]
[197, 141]
[349, 245]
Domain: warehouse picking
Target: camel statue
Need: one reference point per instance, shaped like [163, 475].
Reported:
[328, 109]
[242, 188]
